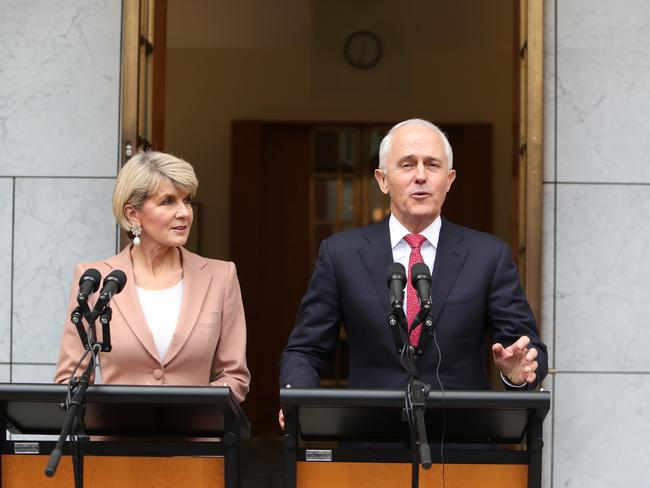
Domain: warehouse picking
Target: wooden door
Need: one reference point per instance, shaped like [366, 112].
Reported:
[143, 75]
[269, 243]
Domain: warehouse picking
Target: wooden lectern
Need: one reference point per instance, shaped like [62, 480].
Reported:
[357, 438]
[157, 436]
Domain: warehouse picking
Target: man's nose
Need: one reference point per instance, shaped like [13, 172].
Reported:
[420, 173]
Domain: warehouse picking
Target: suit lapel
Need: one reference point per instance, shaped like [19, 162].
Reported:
[450, 257]
[377, 256]
[196, 282]
[128, 304]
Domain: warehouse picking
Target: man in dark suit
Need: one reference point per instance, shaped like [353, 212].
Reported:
[475, 287]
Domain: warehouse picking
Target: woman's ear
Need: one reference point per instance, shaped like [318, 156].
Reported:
[131, 214]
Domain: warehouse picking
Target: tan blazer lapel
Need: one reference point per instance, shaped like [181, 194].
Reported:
[128, 304]
[196, 282]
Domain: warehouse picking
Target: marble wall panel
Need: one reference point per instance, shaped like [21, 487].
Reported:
[59, 88]
[603, 278]
[32, 373]
[6, 218]
[601, 430]
[547, 320]
[594, 24]
[603, 72]
[4, 373]
[599, 414]
[58, 222]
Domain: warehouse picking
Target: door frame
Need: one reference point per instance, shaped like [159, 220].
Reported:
[529, 165]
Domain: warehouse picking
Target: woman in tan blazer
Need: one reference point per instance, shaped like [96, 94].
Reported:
[179, 319]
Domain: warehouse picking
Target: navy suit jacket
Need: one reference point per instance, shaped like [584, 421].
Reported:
[475, 291]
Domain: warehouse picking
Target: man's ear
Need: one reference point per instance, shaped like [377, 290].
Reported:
[380, 176]
[450, 178]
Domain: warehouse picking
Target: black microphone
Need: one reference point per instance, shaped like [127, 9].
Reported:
[396, 281]
[88, 284]
[421, 281]
[113, 284]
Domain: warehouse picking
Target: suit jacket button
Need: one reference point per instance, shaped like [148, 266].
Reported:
[157, 374]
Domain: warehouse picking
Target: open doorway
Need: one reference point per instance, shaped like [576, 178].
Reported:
[284, 65]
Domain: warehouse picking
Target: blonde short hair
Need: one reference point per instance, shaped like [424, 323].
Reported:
[142, 175]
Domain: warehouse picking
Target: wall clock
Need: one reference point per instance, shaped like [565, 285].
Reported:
[363, 49]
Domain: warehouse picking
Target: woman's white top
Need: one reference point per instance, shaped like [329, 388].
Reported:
[161, 309]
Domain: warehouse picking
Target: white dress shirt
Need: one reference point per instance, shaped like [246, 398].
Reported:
[402, 250]
[161, 309]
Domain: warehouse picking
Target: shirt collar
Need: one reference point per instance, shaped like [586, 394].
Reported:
[398, 231]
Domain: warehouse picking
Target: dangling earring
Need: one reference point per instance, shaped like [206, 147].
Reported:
[136, 230]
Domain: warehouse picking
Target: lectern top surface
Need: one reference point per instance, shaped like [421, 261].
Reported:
[376, 415]
[125, 410]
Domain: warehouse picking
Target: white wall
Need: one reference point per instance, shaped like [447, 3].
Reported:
[596, 231]
[59, 120]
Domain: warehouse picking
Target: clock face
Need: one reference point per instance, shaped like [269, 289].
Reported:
[363, 49]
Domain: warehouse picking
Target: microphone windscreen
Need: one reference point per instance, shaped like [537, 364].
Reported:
[396, 271]
[420, 271]
[117, 276]
[93, 276]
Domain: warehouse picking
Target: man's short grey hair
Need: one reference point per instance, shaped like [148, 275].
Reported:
[384, 147]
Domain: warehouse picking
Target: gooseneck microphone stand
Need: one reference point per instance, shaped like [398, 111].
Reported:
[416, 390]
[77, 386]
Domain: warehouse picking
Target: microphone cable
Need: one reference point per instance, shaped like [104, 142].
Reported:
[444, 407]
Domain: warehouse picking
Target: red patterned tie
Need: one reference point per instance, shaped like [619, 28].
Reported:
[412, 302]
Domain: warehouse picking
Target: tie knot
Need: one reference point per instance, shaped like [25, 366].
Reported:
[414, 240]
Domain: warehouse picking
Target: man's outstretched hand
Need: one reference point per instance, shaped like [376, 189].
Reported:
[516, 362]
